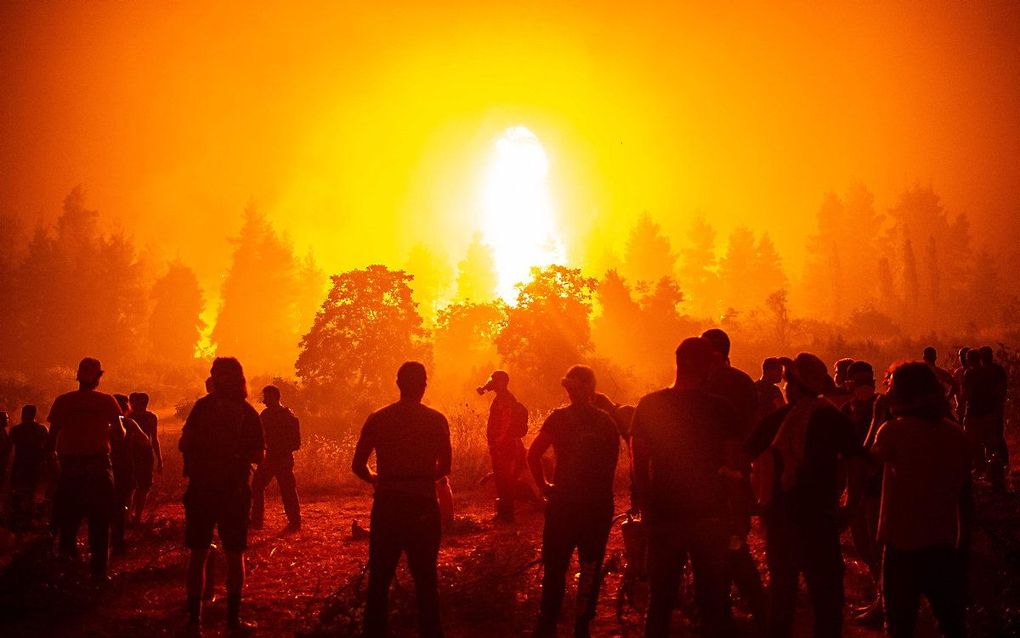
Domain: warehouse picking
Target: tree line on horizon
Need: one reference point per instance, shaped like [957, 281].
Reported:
[869, 276]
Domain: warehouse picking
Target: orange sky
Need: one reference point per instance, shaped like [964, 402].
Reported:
[362, 128]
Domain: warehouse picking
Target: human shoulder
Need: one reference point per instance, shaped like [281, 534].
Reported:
[434, 416]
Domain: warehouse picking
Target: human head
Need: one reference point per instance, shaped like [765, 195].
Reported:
[841, 368]
[498, 381]
[228, 378]
[930, 355]
[271, 395]
[28, 413]
[963, 355]
[987, 355]
[861, 377]
[411, 379]
[807, 376]
[579, 382]
[122, 401]
[973, 358]
[694, 360]
[772, 370]
[719, 340]
[916, 391]
[89, 373]
[139, 401]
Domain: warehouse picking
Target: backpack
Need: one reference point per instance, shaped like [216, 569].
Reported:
[518, 420]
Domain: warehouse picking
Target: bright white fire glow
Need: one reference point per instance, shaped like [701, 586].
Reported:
[517, 212]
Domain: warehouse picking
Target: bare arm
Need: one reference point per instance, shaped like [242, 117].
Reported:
[444, 464]
[362, 451]
[538, 447]
[155, 444]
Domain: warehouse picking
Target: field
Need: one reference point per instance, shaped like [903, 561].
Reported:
[311, 583]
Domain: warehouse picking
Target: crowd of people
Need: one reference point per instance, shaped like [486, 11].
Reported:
[811, 454]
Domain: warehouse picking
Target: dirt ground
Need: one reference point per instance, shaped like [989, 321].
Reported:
[311, 583]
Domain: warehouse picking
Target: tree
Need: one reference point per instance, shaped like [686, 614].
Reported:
[547, 331]
[264, 306]
[77, 292]
[769, 274]
[463, 344]
[367, 327]
[476, 274]
[648, 255]
[433, 278]
[698, 269]
[737, 271]
[175, 325]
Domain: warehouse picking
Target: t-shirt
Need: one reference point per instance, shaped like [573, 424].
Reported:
[926, 467]
[410, 441]
[282, 431]
[82, 422]
[29, 442]
[149, 424]
[684, 434]
[738, 388]
[830, 437]
[979, 388]
[220, 440]
[586, 443]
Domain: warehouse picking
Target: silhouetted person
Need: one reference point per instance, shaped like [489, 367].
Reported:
[143, 479]
[5, 446]
[586, 443]
[980, 420]
[131, 453]
[840, 394]
[739, 389]
[864, 525]
[411, 442]
[685, 444]
[931, 357]
[221, 440]
[770, 397]
[82, 424]
[961, 406]
[925, 505]
[808, 440]
[28, 440]
[999, 452]
[283, 438]
[504, 432]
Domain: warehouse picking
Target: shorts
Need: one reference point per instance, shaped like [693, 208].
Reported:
[217, 507]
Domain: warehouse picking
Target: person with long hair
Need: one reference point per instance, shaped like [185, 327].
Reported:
[222, 438]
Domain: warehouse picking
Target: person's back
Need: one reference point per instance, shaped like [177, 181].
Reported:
[282, 432]
[409, 440]
[81, 421]
[737, 387]
[221, 438]
[685, 434]
[979, 385]
[586, 444]
[29, 442]
[926, 466]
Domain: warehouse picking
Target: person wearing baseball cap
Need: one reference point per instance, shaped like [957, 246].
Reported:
[586, 443]
[807, 441]
[82, 423]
